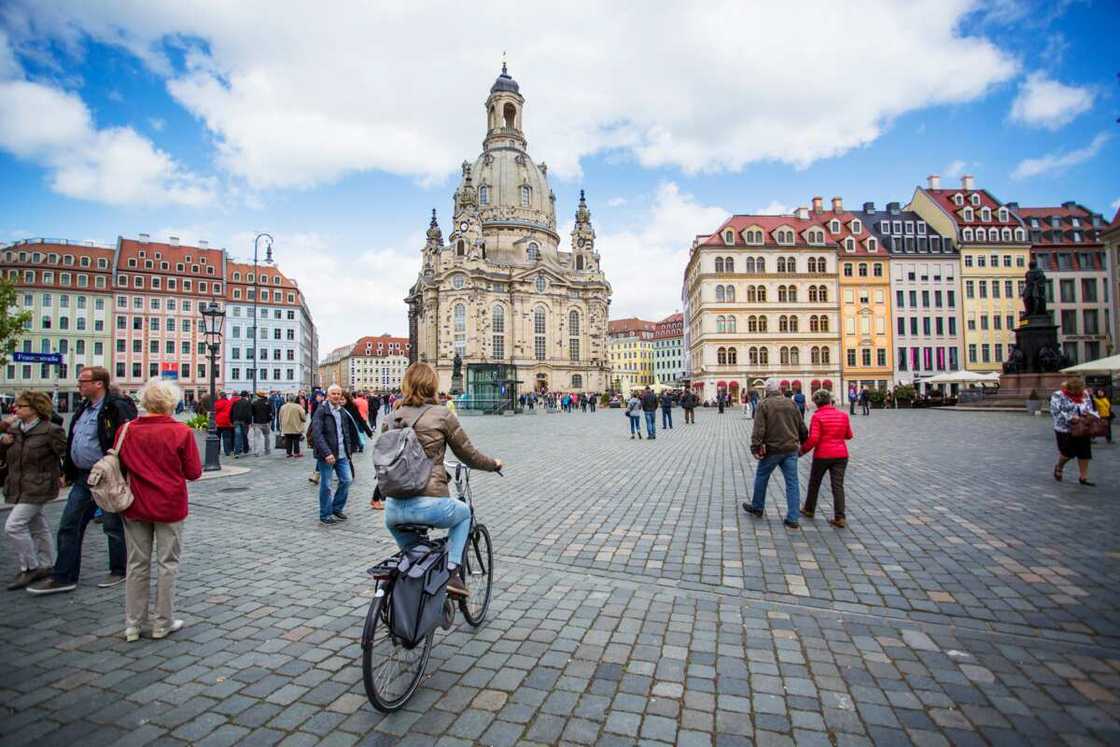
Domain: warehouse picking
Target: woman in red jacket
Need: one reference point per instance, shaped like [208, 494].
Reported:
[828, 431]
[159, 455]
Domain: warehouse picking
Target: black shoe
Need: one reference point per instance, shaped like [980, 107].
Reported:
[328, 521]
[791, 524]
[752, 510]
[1086, 483]
[340, 516]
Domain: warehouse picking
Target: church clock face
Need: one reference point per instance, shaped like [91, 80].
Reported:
[464, 226]
[582, 242]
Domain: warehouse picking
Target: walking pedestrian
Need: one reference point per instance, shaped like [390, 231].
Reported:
[277, 401]
[634, 413]
[1104, 409]
[649, 408]
[721, 401]
[593, 400]
[93, 431]
[775, 441]
[688, 404]
[754, 402]
[799, 400]
[666, 410]
[293, 421]
[241, 415]
[221, 420]
[828, 431]
[436, 429]
[33, 448]
[333, 442]
[361, 428]
[373, 404]
[159, 455]
[865, 401]
[1071, 408]
[262, 425]
[852, 397]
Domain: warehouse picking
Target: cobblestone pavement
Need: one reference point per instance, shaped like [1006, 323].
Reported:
[971, 601]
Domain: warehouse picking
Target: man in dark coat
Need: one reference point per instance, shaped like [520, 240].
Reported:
[333, 439]
[649, 409]
[241, 415]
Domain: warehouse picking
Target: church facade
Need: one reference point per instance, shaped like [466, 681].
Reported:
[520, 313]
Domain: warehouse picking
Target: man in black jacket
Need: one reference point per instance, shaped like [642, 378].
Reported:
[93, 431]
[333, 439]
[262, 425]
[649, 408]
[374, 403]
[241, 415]
[666, 410]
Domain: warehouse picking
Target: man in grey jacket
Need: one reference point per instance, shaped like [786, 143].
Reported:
[775, 442]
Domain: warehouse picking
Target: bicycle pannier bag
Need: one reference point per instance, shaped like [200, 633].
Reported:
[399, 461]
[419, 592]
[107, 483]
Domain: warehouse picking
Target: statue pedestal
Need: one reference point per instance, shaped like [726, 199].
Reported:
[456, 385]
[1038, 333]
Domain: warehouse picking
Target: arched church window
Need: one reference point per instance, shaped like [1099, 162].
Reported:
[573, 335]
[579, 262]
[460, 328]
[526, 195]
[540, 325]
[534, 252]
[509, 114]
[498, 330]
[484, 195]
[460, 249]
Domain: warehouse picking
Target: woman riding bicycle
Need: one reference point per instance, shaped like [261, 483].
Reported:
[436, 428]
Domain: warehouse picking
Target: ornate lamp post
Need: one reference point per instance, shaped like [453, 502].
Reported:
[256, 292]
[213, 317]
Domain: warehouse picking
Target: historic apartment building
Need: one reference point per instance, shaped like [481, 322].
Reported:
[994, 250]
[864, 296]
[763, 301]
[501, 294]
[135, 309]
[1110, 235]
[285, 350]
[631, 346]
[1067, 244]
[373, 363]
[925, 288]
[67, 287]
[668, 351]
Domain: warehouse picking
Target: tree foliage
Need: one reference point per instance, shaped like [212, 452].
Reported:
[11, 320]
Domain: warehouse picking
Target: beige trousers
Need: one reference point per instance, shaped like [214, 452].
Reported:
[30, 535]
[140, 537]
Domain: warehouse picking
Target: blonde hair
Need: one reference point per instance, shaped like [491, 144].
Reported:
[160, 396]
[419, 385]
[38, 402]
[1074, 383]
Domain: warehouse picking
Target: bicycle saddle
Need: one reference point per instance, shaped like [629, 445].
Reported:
[417, 528]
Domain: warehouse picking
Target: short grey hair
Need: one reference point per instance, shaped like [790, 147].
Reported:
[822, 397]
[334, 386]
[160, 396]
[773, 385]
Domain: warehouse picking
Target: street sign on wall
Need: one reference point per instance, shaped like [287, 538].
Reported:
[49, 358]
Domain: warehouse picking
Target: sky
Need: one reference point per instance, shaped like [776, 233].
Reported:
[337, 127]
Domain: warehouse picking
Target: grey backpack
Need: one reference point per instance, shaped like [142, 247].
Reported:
[399, 461]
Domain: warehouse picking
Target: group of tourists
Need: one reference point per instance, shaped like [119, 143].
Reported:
[560, 401]
[157, 454]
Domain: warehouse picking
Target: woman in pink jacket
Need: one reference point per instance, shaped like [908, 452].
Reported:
[828, 431]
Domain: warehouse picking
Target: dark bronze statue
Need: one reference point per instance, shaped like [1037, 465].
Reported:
[456, 367]
[1048, 359]
[1034, 292]
[1015, 362]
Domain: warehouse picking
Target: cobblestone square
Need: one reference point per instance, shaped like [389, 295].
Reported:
[972, 600]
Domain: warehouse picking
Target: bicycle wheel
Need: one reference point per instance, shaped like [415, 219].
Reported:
[390, 672]
[478, 567]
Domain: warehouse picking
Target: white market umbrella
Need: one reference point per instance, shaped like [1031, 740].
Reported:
[1109, 365]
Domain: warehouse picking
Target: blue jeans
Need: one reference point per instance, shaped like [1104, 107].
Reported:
[75, 518]
[327, 505]
[666, 417]
[788, 465]
[635, 425]
[651, 424]
[443, 513]
[226, 434]
[240, 438]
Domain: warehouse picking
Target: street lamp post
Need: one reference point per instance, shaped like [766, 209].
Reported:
[256, 292]
[213, 316]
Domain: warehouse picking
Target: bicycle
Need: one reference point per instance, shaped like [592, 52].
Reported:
[391, 671]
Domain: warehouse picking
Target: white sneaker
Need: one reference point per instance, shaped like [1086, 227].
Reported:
[163, 633]
[132, 634]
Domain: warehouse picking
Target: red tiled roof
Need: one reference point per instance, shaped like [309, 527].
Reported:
[1046, 235]
[768, 224]
[825, 217]
[379, 346]
[944, 198]
[173, 254]
[630, 324]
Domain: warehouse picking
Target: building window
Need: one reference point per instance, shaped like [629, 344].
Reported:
[498, 331]
[573, 334]
[460, 330]
[526, 195]
[540, 326]
[533, 252]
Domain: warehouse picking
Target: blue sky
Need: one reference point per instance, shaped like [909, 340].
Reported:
[338, 129]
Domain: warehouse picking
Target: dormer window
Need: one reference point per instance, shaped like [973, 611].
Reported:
[1003, 215]
[816, 236]
[885, 226]
[834, 226]
[754, 236]
[958, 199]
[909, 228]
[729, 237]
[897, 227]
[1076, 222]
[968, 215]
[1007, 234]
[1020, 234]
[857, 227]
[985, 214]
[975, 199]
[783, 236]
[849, 244]
[966, 234]
[921, 228]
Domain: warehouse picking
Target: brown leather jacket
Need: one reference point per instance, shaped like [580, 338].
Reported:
[34, 462]
[437, 429]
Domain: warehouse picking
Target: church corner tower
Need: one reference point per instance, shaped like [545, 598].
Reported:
[521, 313]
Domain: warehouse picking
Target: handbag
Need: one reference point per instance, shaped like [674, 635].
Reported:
[107, 484]
[1088, 426]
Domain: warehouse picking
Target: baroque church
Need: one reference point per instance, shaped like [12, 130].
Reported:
[520, 313]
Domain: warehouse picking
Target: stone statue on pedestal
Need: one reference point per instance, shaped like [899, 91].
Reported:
[1034, 292]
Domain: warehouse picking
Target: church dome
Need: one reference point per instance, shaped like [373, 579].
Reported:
[512, 189]
[505, 83]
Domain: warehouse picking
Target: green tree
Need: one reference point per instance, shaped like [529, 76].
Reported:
[11, 321]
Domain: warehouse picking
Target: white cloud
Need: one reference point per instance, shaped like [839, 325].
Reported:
[774, 208]
[157, 123]
[617, 202]
[358, 87]
[1043, 102]
[1056, 162]
[645, 263]
[954, 169]
[115, 165]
